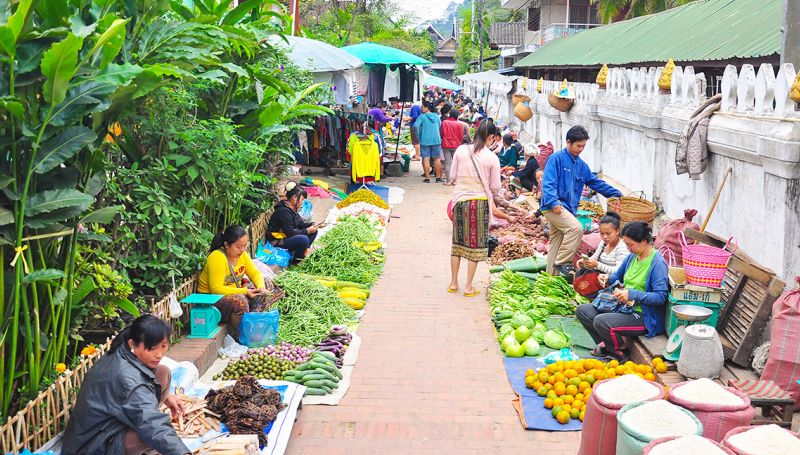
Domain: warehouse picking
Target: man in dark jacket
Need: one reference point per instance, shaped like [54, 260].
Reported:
[124, 396]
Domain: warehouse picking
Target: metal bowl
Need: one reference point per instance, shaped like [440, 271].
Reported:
[691, 312]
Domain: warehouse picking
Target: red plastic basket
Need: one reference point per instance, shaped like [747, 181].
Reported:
[705, 265]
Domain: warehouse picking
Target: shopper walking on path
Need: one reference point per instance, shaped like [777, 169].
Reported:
[564, 178]
[416, 111]
[476, 173]
[430, 141]
[452, 138]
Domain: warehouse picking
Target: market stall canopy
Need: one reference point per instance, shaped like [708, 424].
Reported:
[378, 54]
[317, 56]
[712, 30]
[434, 81]
[487, 76]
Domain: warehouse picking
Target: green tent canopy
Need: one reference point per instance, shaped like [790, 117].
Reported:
[377, 54]
[434, 81]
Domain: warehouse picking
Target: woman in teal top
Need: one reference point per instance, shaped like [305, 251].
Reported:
[645, 287]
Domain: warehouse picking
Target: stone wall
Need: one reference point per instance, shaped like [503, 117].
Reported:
[634, 133]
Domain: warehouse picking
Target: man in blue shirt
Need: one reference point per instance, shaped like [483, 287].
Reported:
[565, 175]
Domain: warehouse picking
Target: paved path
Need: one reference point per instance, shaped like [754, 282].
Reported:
[429, 377]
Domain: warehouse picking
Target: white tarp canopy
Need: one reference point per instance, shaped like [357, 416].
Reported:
[487, 76]
[317, 56]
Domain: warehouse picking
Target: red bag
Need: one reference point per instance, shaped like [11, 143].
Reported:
[669, 234]
[544, 153]
[717, 419]
[586, 283]
[783, 363]
[599, 432]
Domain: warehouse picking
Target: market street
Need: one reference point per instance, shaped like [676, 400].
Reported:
[429, 377]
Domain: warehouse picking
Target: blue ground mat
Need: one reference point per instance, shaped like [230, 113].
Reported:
[530, 406]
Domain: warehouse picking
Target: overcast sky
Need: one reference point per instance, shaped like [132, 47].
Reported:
[424, 10]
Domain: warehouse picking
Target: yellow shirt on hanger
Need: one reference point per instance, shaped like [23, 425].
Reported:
[365, 157]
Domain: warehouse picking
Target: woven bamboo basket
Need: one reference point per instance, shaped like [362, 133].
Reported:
[632, 208]
[560, 104]
[523, 112]
[519, 98]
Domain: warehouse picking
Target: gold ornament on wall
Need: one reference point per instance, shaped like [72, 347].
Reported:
[540, 85]
[794, 93]
[602, 76]
[665, 79]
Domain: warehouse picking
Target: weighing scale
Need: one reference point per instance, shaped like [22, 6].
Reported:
[204, 317]
[689, 314]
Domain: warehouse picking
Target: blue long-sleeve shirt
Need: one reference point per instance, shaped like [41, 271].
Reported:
[416, 111]
[508, 156]
[564, 178]
[654, 297]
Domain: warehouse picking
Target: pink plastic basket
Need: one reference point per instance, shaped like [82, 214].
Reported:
[705, 265]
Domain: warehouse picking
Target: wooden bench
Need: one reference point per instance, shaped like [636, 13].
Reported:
[777, 406]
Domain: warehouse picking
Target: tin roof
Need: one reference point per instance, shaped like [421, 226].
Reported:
[703, 30]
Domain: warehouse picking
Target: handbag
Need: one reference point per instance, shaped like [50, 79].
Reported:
[607, 302]
[586, 283]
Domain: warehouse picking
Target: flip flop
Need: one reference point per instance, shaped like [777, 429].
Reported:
[472, 294]
[451, 290]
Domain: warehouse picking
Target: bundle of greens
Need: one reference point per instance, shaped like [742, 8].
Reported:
[309, 310]
[343, 261]
[348, 231]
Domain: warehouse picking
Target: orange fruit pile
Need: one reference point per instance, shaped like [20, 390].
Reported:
[567, 385]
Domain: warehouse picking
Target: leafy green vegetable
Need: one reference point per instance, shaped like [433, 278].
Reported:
[556, 339]
[520, 320]
[531, 347]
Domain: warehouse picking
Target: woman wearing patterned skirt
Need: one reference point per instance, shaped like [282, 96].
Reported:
[476, 173]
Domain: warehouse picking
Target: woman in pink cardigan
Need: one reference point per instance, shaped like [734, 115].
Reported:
[476, 173]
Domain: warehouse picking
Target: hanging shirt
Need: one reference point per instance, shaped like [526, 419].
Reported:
[377, 78]
[361, 80]
[408, 79]
[391, 85]
[341, 88]
[364, 156]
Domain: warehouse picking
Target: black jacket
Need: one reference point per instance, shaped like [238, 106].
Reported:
[285, 219]
[529, 171]
[118, 394]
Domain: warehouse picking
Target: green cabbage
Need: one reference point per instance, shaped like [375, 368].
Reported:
[515, 350]
[556, 339]
[522, 333]
[505, 329]
[531, 347]
[538, 331]
[521, 319]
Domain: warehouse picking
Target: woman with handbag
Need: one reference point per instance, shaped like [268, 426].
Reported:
[634, 304]
[224, 273]
[611, 251]
[476, 173]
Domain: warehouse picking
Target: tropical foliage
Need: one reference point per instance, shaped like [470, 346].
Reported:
[620, 10]
[161, 121]
[345, 23]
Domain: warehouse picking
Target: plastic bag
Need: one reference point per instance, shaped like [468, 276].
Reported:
[306, 211]
[564, 354]
[259, 329]
[175, 310]
[230, 348]
[272, 255]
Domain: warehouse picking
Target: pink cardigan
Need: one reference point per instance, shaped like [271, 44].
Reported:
[468, 183]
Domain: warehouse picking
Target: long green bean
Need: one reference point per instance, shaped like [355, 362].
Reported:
[309, 310]
[343, 261]
[348, 231]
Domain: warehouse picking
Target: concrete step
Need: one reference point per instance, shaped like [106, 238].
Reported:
[201, 352]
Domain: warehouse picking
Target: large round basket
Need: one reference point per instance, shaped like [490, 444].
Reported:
[633, 209]
[560, 104]
[523, 111]
[519, 98]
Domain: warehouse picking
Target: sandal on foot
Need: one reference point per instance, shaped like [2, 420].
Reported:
[599, 351]
[426, 180]
[472, 294]
[451, 290]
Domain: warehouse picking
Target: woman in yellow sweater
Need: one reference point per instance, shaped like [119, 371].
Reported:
[230, 271]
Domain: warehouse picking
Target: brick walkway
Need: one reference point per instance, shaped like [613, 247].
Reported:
[429, 377]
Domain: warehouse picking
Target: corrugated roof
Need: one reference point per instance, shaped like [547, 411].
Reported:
[507, 33]
[701, 30]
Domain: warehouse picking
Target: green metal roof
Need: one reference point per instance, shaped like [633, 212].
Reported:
[701, 30]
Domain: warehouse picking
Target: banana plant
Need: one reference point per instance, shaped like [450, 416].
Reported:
[57, 74]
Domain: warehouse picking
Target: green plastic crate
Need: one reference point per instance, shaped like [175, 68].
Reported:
[673, 322]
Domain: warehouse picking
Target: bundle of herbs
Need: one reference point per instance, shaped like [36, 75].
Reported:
[309, 310]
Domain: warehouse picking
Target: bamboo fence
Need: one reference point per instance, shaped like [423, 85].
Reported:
[46, 416]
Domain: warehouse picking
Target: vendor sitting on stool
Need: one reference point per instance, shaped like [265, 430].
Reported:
[224, 273]
[287, 229]
[644, 276]
[117, 407]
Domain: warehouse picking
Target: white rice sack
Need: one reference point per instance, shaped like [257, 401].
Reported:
[626, 389]
[765, 440]
[687, 445]
[659, 419]
[706, 391]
